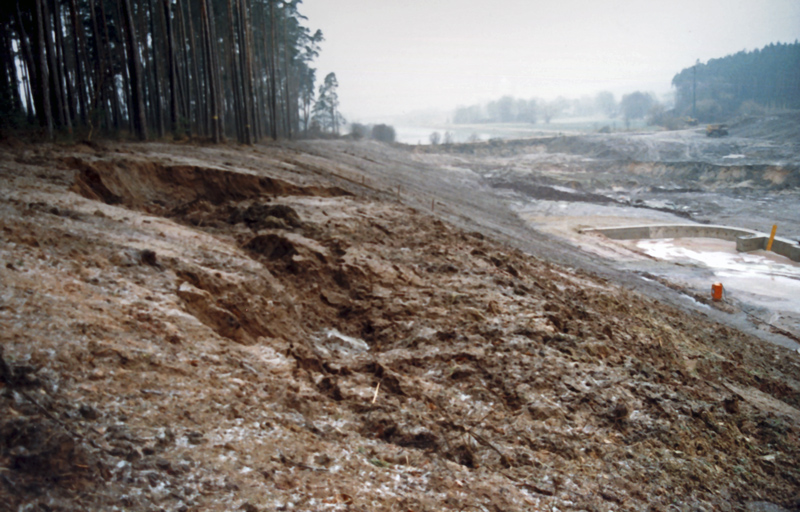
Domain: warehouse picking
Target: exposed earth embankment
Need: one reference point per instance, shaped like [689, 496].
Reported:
[307, 326]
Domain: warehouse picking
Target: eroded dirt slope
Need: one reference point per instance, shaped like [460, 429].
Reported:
[190, 328]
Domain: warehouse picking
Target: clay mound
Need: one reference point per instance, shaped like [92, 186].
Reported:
[154, 186]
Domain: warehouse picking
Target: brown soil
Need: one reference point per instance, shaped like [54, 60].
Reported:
[189, 328]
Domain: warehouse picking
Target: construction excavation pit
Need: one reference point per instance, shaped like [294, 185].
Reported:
[760, 276]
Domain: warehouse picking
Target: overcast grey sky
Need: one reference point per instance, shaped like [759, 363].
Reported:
[393, 57]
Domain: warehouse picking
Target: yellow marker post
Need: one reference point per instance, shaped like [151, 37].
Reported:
[772, 237]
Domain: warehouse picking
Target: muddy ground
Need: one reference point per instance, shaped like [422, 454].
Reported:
[561, 185]
[342, 326]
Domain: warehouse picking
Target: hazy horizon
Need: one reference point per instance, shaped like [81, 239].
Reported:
[393, 58]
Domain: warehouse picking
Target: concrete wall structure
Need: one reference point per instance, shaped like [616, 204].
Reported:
[788, 248]
[746, 240]
[751, 243]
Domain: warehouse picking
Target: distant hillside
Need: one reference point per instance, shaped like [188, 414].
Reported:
[769, 77]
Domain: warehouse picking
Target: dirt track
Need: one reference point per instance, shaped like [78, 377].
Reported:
[200, 328]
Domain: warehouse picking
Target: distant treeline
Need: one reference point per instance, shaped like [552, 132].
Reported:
[505, 110]
[747, 82]
[209, 68]
[379, 132]
[516, 110]
[769, 77]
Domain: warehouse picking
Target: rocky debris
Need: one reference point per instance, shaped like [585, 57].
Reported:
[148, 257]
[266, 216]
[203, 306]
[370, 358]
[271, 246]
[36, 447]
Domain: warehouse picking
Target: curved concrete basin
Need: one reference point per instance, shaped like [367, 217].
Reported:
[746, 240]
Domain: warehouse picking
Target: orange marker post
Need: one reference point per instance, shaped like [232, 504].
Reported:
[772, 237]
[716, 291]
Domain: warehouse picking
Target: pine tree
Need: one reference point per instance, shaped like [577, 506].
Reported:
[326, 110]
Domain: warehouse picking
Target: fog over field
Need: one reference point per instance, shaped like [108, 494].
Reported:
[397, 57]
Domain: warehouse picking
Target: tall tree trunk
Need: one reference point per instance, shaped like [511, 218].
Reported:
[148, 87]
[173, 71]
[122, 61]
[98, 93]
[30, 67]
[9, 84]
[287, 75]
[197, 78]
[259, 107]
[43, 73]
[26, 80]
[14, 78]
[273, 108]
[52, 66]
[135, 71]
[246, 58]
[68, 92]
[186, 94]
[81, 74]
[212, 70]
[156, 75]
[233, 72]
[111, 93]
